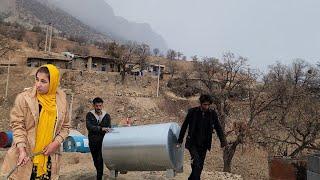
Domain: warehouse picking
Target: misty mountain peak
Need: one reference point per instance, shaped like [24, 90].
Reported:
[100, 15]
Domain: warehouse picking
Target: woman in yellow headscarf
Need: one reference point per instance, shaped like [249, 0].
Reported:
[40, 123]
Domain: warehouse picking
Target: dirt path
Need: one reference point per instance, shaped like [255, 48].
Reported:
[78, 166]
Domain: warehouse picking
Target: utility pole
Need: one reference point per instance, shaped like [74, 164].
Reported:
[158, 79]
[7, 84]
[50, 38]
[45, 46]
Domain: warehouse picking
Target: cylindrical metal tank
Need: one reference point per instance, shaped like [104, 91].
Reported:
[10, 137]
[76, 142]
[143, 148]
[6, 139]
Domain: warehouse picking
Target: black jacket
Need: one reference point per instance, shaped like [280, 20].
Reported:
[95, 132]
[190, 121]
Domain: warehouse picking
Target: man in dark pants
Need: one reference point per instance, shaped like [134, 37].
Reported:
[98, 123]
[201, 121]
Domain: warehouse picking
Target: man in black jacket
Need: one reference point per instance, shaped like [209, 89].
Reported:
[98, 123]
[201, 121]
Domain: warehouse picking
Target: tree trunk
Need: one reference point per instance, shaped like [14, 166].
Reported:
[298, 150]
[228, 155]
[123, 74]
[172, 75]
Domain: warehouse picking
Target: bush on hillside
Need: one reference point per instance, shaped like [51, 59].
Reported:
[14, 31]
[183, 89]
[37, 29]
[79, 39]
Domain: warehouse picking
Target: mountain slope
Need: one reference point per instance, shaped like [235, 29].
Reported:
[61, 21]
[99, 15]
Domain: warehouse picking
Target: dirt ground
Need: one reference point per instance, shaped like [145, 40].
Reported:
[78, 166]
[137, 100]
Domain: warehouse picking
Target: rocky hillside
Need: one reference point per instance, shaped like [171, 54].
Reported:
[99, 15]
[35, 13]
[94, 20]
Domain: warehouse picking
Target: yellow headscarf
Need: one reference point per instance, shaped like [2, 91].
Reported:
[47, 120]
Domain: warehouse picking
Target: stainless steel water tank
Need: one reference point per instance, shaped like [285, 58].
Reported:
[143, 148]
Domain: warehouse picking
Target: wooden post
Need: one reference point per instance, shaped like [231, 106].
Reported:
[158, 79]
[7, 84]
[50, 38]
[89, 64]
[70, 108]
[45, 45]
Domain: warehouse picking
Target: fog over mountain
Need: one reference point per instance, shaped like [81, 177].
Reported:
[262, 31]
[99, 15]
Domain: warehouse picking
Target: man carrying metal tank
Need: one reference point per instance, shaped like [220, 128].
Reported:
[200, 122]
[98, 123]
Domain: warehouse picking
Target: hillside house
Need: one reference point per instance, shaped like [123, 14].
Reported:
[151, 68]
[62, 63]
[95, 63]
[154, 68]
[89, 63]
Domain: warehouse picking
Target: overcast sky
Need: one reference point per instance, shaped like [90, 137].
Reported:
[263, 31]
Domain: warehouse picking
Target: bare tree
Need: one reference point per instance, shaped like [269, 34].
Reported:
[172, 68]
[37, 29]
[18, 33]
[194, 58]
[294, 120]
[5, 46]
[40, 41]
[156, 51]
[54, 44]
[81, 40]
[231, 81]
[143, 52]
[13, 31]
[30, 42]
[171, 54]
[124, 54]
[179, 54]
[184, 58]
